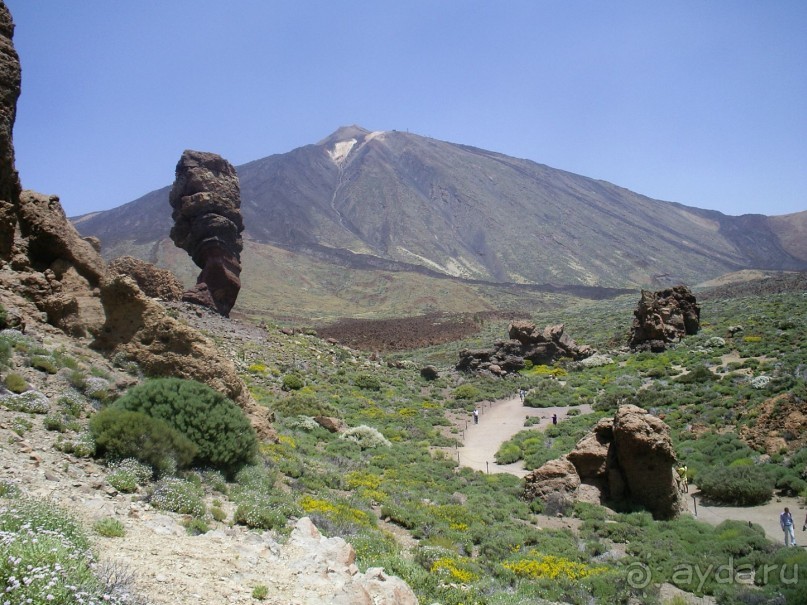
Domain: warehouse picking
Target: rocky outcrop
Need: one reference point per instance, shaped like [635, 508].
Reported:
[526, 342]
[153, 281]
[138, 329]
[664, 317]
[628, 459]
[327, 572]
[10, 78]
[206, 203]
[54, 267]
[780, 425]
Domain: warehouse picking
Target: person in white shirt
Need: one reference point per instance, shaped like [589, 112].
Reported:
[786, 521]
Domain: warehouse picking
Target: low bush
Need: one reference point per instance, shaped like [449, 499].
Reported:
[222, 434]
[15, 383]
[109, 528]
[367, 382]
[292, 382]
[303, 404]
[121, 434]
[740, 485]
[178, 496]
[366, 437]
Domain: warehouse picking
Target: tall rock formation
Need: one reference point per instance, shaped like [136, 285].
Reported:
[10, 78]
[206, 203]
[664, 317]
[627, 459]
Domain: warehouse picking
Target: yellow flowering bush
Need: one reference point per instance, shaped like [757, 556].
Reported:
[539, 566]
[336, 511]
[456, 569]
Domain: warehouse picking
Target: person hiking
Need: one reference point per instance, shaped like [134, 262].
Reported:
[683, 483]
[476, 416]
[554, 418]
[786, 522]
[522, 393]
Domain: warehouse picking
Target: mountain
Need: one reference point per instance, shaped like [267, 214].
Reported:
[393, 201]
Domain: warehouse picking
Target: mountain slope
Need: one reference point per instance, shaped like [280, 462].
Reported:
[400, 201]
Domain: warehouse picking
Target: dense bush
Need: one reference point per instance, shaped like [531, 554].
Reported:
[217, 427]
[741, 485]
[303, 404]
[293, 382]
[368, 382]
[15, 383]
[121, 434]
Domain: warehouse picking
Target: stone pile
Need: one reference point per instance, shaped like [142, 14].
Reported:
[526, 342]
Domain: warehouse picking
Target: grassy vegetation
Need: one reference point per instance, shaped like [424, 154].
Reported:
[472, 538]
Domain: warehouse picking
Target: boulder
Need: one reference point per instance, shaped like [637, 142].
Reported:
[590, 455]
[331, 424]
[664, 317]
[557, 476]
[138, 329]
[153, 281]
[643, 453]
[626, 460]
[429, 373]
[526, 341]
[206, 203]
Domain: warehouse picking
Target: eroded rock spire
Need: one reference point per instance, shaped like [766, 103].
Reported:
[206, 204]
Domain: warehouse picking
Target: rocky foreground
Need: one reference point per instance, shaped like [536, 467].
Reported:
[166, 564]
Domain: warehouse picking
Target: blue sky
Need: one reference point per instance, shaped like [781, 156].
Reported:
[698, 102]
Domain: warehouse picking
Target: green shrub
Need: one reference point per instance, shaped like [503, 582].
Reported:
[699, 374]
[81, 445]
[368, 382]
[223, 436]
[740, 485]
[44, 364]
[303, 404]
[196, 526]
[3, 318]
[292, 382]
[467, 392]
[260, 592]
[261, 511]
[178, 496]
[15, 383]
[109, 528]
[218, 514]
[508, 453]
[52, 422]
[121, 434]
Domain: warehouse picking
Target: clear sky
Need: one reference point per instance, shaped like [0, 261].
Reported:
[698, 102]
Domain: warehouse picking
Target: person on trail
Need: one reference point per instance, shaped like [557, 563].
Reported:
[786, 522]
[682, 478]
[476, 416]
[554, 418]
[522, 393]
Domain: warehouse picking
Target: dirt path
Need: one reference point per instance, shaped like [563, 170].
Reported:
[766, 515]
[498, 422]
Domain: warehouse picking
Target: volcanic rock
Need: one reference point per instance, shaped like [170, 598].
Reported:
[526, 342]
[645, 457]
[206, 204]
[10, 79]
[628, 459]
[154, 282]
[557, 476]
[138, 329]
[664, 317]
